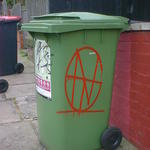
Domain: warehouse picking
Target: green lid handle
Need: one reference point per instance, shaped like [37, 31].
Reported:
[52, 17]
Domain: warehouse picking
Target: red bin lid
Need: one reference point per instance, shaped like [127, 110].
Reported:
[10, 18]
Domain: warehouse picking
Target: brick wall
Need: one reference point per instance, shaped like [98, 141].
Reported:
[131, 92]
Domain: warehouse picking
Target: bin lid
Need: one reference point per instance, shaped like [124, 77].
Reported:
[9, 18]
[72, 21]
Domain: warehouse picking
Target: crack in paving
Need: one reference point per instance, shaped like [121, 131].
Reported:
[18, 110]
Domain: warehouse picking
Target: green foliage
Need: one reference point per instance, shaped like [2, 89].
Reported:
[9, 3]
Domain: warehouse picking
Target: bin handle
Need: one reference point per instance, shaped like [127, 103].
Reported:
[53, 17]
[19, 24]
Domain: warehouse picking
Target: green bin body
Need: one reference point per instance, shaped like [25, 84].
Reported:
[74, 66]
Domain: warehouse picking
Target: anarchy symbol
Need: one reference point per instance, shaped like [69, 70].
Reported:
[90, 100]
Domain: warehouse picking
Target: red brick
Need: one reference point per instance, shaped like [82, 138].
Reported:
[121, 83]
[124, 46]
[123, 74]
[140, 77]
[133, 135]
[145, 141]
[123, 66]
[148, 112]
[138, 36]
[134, 96]
[147, 36]
[143, 99]
[142, 89]
[142, 95]
[134, 105]
[120, 109]
[144, 119]
[124, 92]
[123, 57]
[121, 70]
[131, 92]
[134, 129]
[141, 68]
[135, 119]
[133, 112]
[126, 36]
[143, 148]
[123, 53]
[143, 47]
[141, 58]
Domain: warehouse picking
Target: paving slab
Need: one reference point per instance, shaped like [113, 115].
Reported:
[36, 130]
[17, 79]
[8, 112]
[35, 126]
[20, 91]
[28, 69]
[2, 97]
[18, 136]
[27, 107]
[125, 145]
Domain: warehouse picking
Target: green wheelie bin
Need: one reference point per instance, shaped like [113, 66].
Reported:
[74, 66]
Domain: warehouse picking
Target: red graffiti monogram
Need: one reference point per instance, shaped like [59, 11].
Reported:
[90, 100]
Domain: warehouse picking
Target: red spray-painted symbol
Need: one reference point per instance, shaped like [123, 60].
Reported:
[74, 77]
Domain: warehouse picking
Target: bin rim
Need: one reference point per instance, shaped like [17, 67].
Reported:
[9, 18]
[73, 21]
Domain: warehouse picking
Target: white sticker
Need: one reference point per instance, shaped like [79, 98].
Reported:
[43, 68]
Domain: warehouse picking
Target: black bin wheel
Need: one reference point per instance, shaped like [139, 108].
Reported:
[111, 138]
[19, 68]
[3, 86]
